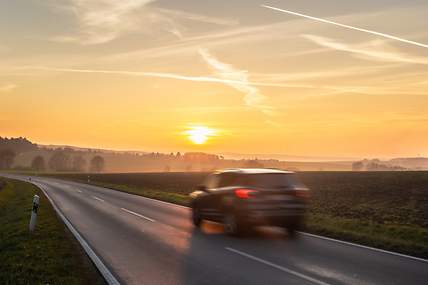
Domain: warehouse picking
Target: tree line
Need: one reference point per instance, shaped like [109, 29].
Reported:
[61, 161]
[17, 145]
[375, 165]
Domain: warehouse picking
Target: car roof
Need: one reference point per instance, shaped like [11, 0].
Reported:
[254, 170]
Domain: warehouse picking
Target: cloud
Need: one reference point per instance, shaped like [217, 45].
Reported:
[101, 21]
[240, 80]
[233, 36]
[320, 74]
[224, 74]
[228, 75]
[367, 50]
[348, 27]
[237, 79]
[7, 88]
[209, 79]
[198, 18]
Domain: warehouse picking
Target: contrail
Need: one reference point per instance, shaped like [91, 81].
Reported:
[347, 26]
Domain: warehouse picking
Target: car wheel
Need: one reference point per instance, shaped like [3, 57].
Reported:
[196, 217]
[292, 230]
[232, 225]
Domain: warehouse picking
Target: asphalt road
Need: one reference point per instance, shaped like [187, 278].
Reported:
[144, 241]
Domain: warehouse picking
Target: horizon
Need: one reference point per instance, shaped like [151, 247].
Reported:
[228, 155]
[310, 79]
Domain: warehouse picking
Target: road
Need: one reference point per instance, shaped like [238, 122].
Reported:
[145, 241]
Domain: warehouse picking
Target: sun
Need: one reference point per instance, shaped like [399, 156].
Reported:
[199, 134]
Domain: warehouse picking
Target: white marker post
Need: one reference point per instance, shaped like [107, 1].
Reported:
[33, 219]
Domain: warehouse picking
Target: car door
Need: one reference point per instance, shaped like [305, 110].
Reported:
[205, 199]
[225, 185]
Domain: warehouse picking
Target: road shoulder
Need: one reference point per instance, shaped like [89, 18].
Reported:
[50, 255]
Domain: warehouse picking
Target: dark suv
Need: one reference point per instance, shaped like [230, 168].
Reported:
[243, 198]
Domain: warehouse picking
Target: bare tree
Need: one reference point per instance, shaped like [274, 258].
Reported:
[7, 156]
[253, 163]
[59, 161]
[97, 164]
[38, 163]
[79, 163]
[357, 166]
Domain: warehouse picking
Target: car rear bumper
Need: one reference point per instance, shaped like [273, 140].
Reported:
[275, 216]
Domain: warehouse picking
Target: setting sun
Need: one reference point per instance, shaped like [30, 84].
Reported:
[199, 134]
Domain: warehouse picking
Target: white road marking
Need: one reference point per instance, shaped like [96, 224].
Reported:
[365, 247]
[303, 233]
[279, 267]
[307, 234]
[136, 214]
[105, 272]
[80, 191]
[99, 199]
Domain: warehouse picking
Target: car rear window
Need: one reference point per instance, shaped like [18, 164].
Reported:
[270, 180]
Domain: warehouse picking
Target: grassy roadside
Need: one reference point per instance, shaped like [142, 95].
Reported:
[408, 238]
[50, 255]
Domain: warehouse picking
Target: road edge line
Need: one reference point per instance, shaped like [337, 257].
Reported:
[304, 233]
[105, 272]
[364, 246]
[309, 234]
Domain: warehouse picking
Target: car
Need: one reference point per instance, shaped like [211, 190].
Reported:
[244, 198]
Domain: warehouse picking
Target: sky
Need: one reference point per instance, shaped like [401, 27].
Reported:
[310, 78]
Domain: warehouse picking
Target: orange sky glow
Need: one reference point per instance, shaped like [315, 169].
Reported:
[170, 76]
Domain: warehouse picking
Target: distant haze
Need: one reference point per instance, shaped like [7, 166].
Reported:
[286, 157]
[22, 154]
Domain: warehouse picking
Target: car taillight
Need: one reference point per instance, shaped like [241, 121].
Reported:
[304, 194]
[244, 193]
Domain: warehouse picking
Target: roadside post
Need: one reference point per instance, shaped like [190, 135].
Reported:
[33, 219]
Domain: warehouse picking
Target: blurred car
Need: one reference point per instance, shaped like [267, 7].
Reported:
[244, 198]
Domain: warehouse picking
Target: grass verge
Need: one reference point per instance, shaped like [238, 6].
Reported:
[50, 255]
[406, 239]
